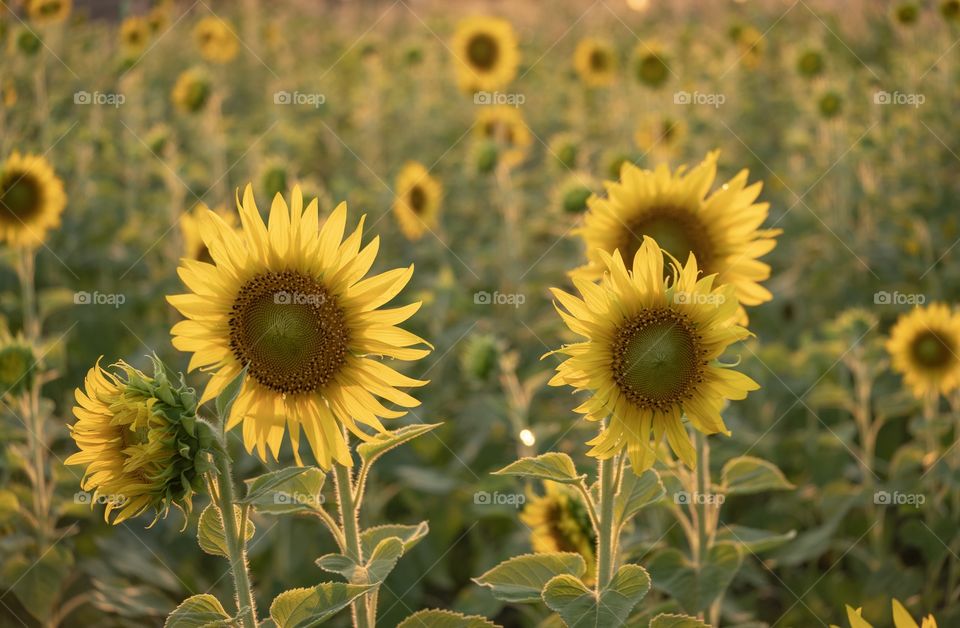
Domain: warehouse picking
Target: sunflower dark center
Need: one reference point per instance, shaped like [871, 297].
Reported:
[20, 197]
[657, 358]
[652, 70]
[289, 332]
[677, 231]
[599, 61]
[931, 350]
[483, 51]
[418, 199]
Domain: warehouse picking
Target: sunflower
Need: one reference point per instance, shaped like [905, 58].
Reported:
[8, 93]
[417, 201]
[134, 34]
[288, 303]
[158, 18]
[901, 618]
[485, 52]
[216, 40]
[950, 10]
[559, 522]
[650, 64]
[140, 440]
[750, 46]
[660, 135]
[924, 346]
[191, 91]
[721, 228]
[650, 354]
[573, 192]
[810, 64]
[595, 61]
[193, 245]
[907, 13]
[18, 363]
[565, 148]
[49, 11]
[31, 199]
[504, 125]
[830, 105]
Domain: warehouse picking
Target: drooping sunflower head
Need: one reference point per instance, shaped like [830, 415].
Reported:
[559, 522]
[216, 39]
[193, 245]
[191, 91]
[31, 199]
[573, 192]
[595, 61]
[49, 11]
[141, 443]
[417, 201]
[650, 354]
[810, 64]
[288, 302]
[650, 64]
[504, 125]
[678, 210]
[134, 35]
[485, 53]
[18, 363]
[924, 346]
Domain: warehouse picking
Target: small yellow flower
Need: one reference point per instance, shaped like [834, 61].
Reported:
[134, 35]
[216, 40]
[504, 125]
[49, 11]
[924, 346]
[417, 202]
[191, 91]
[485, 53]
[595, 61]
[31, 199]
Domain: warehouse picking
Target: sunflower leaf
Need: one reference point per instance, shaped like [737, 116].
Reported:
[300, 608]
[228, 395]
[669, 620]
[286, 491]
[753, 539]
[210, 532]
[636, 492]
[580, 607]
[196, 611]
[384, 442]
[554, 466]
[436, 618]
[522, 578]
[695, 590]
[410, 535]
[747, 474]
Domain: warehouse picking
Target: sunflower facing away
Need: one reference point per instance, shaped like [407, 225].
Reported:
[288, 302]
[31, 199]
[924, 346]
[418, 200]
[140, 441]
[901, 618]
[650, 354]
[485, 53]
[675, 209]
[559, 522]
[504, 125]
[595, 61]
[193, 246]
[216, 40]
[191, 91]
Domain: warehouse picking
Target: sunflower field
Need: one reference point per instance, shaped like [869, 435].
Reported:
[422, 313]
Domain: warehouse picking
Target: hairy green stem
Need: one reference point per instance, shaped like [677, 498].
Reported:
[700, 497]
[236, 545]
[605, 537]
[364, 615]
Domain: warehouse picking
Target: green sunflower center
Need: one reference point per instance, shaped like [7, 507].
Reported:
[931, 350]
[483, 51]
[652, 70]
[657, 358]
[677, 231]
[418, 199]
[21, 197]
[289, 331]
[599, 61]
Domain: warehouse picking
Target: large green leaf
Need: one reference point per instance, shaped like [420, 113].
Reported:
[522, 578]
[198, 611]
[210, 532]
[694, 589]
[754, 540]
[748, 474]
[302, 608]
[410, 535]
[554, 466]
[580, 607]
[668, 620]
[385, 441]
[636, 492]
[434, 618]
[378, 566]
[291, 490]
[37, 582]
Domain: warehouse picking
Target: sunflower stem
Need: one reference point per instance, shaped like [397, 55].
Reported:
[364, 616]
[700, 497]
[236, 545]
[605, 537]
